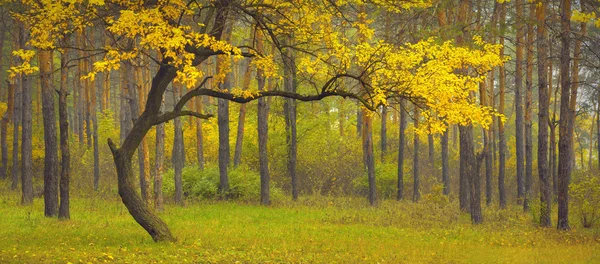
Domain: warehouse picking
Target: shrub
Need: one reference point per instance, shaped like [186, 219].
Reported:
[386, 179]
[244, 184]
[585, 192]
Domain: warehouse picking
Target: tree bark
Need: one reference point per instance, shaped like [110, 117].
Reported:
[416, 188]
[383, 132]
[289, 106]
[471, 171]
[16, 118]
[158, 168]
[93, 123]
[369, 155]
[237, 156]
[143, 155]
[545, 195]
[51, 179]
[529, 112]
[178, 154]
[26, 134]
[65, 165]
[565, 145]
[6, 120]
[445, 167]
[199, 135]
[401, 146]
[520, 146]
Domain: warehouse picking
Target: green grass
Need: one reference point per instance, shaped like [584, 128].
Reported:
[313, 230]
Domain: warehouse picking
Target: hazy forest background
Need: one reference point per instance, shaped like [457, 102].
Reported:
[300, 131]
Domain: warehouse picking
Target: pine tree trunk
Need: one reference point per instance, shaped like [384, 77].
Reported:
[401, 147]
[520, 146]
[445, 168]
[51, 179]
[565, 152]
[383, 132]
[6, 120]
[543, 95]
[529, 113]
[65, 165]
[26, 134]
[16, 118]
[501, 137]
[416, 188]
[289, 106]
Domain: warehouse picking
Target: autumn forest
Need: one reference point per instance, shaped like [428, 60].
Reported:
[308, 131]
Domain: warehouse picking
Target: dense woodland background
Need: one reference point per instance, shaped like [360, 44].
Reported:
[321, 147]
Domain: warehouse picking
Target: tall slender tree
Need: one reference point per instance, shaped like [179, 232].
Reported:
[543, 92]
[520, 146]
[565, 146]
[51, 179]
[401, 148]
[65, 163]
[416, 180]
[501, 92]
[26, 132]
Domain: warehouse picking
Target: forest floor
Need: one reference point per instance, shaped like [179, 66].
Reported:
[312, 230]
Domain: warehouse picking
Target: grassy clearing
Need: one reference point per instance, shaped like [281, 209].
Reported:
[314, 230]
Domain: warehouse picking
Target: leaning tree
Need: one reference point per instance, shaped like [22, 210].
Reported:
[331, 41]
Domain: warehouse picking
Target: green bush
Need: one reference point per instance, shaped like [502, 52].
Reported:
[585, 192]
[386, 179]
[244, 184]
